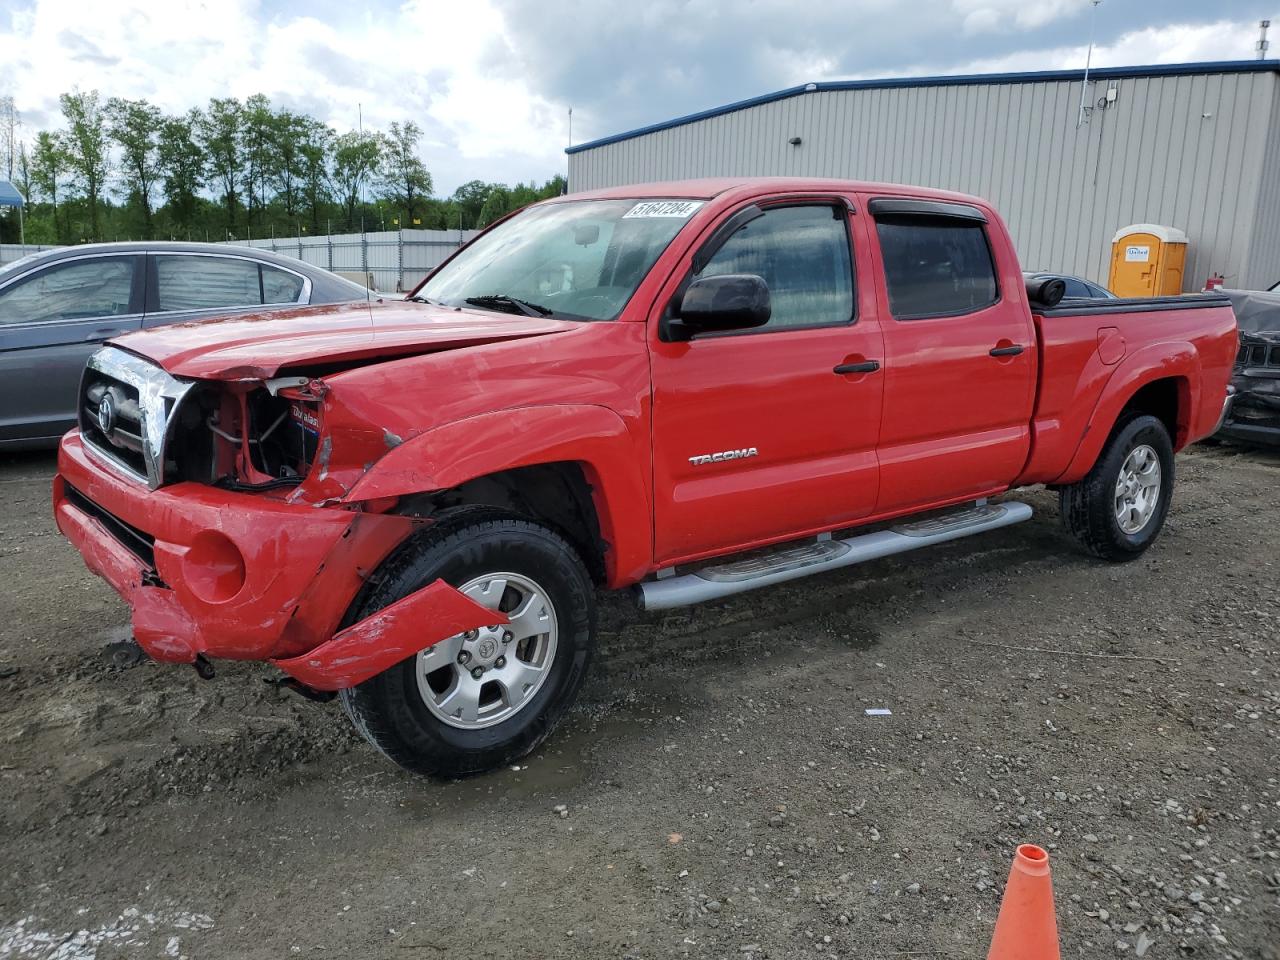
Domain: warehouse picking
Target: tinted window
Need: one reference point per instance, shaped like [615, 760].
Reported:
[936, 266]
[99, 287]
[194, 283]
[280, 286]
[803, 255]
[1097, 291]
[1076, 289]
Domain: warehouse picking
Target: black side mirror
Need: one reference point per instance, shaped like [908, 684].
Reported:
[734, 301]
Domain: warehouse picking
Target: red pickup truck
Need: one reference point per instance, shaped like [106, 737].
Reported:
[412, 503]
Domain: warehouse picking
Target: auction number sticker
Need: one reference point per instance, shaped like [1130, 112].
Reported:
[674, 209]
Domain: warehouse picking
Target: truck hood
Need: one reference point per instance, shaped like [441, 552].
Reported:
[257, 346]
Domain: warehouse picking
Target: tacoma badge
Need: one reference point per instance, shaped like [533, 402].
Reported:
[741, 454]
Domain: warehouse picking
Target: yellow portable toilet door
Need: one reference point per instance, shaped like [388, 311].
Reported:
[1147, 260]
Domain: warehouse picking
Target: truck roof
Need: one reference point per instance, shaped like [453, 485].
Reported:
[707, 187]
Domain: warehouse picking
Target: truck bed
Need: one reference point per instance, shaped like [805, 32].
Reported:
[1085, 346]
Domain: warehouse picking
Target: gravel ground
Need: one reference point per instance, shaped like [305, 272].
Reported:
[718, 792]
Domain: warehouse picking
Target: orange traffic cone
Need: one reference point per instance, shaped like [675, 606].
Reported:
[1027, 928]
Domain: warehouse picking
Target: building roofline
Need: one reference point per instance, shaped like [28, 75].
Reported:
[959, 80]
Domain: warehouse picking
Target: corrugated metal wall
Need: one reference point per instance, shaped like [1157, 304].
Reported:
[1187, 151]
[1264, 250]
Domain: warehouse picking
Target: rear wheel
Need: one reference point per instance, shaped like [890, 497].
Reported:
[1118, 509]
[480, 699]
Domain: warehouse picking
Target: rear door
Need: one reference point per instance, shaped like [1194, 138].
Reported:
[191, 286]
[51, 319]
[960, 354]
[770, 433]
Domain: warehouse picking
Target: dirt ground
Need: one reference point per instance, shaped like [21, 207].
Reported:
[719, 791]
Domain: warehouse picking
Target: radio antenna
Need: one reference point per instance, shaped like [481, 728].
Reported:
[1088, 62]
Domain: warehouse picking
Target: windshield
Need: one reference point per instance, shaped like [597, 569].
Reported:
[576, 259]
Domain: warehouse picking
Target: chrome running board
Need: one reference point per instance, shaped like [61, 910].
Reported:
[794, 562]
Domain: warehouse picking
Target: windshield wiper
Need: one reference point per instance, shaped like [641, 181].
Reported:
[512, 304]
[434, 303]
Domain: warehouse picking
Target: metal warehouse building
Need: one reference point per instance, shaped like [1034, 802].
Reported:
[1194, 146]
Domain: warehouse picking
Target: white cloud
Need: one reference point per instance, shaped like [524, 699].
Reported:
[1007, 16]
[433, 62]
[489, 81]
[1181, 43]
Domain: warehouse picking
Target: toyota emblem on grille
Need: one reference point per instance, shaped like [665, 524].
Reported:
[107, 414]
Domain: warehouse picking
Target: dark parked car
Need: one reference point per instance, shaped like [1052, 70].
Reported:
[1254, 414]
[57, 307]
[1078, 288]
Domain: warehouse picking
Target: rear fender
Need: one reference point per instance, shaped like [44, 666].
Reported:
[1176, 360]
[595, 437]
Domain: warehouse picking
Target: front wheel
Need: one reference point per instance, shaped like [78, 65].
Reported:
[1118, 509]
[480, 699]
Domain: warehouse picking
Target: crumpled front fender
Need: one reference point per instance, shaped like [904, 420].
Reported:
[382, 640]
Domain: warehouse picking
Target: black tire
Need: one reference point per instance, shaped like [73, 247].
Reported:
[462, 544]
[1088, 507]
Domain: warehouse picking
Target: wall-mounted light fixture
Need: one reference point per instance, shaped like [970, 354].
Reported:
[794, 141]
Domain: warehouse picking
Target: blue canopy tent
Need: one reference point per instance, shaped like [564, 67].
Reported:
[10, 197]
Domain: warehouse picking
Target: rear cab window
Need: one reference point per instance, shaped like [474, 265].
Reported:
[936, 265]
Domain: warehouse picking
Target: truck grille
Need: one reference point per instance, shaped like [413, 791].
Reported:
[1258, 355]
[126, 405]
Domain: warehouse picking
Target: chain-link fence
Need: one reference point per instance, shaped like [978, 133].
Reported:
[396, 260]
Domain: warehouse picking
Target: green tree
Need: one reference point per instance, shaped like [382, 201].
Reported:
[469, 198]
[497, 204]
[9, 123]
[288, 132]
[218, 133]
[258, 143]
[23, 180]
[87, 149]
[357, 159]
[49, 169]
[405, 180]
[181, 164]
[135, 125]
[315, 147]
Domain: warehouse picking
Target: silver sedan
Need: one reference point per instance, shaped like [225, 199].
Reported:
[57, 306]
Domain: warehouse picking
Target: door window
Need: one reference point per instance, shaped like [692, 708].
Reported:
[1076, 289]
[280, 286]
[80, 289]
[201, 283]
[803, 254]
[936, 266]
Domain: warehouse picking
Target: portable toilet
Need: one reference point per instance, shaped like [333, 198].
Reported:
[1147, 260]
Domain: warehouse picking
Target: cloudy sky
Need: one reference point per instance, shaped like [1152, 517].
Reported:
[491, 81]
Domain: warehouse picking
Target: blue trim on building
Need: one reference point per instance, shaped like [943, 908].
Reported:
[964, 80]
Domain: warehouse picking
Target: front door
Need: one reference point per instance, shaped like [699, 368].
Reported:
[769, 433]
[51, 320]
[960, 355]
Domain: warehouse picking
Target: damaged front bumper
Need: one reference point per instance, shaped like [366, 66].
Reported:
[214, 573]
